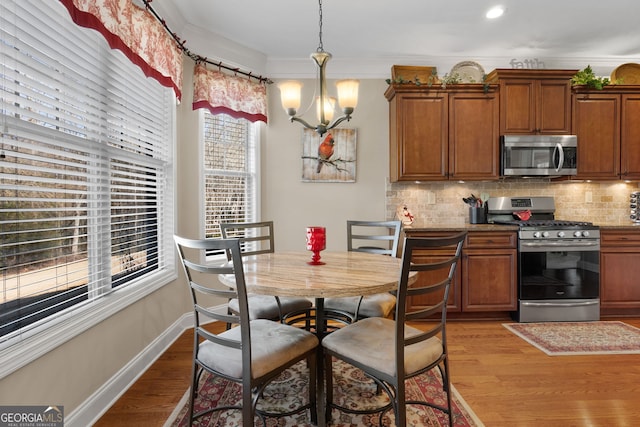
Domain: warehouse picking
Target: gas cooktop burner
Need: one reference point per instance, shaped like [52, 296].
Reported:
[547, 223]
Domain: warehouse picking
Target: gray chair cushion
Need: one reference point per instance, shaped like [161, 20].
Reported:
[266, 307]
[378, 305]
[371, 342]
[272, 345]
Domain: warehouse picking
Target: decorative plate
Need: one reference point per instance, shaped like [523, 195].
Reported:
[468, 71]
[628, 74]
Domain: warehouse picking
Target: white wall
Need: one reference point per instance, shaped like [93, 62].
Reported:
[292, 204]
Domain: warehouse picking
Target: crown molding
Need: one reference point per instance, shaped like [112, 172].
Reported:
[373, 68]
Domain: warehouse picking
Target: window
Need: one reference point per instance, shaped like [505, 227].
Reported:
[86, 196]
[230, 171]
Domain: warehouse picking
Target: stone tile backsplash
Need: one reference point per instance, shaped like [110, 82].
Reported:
[609, 200]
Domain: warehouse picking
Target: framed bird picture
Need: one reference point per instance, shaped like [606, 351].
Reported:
[330, 157]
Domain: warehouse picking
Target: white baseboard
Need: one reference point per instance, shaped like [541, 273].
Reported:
[99, 402]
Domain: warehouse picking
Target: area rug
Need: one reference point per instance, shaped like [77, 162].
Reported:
[351, 387]
[579, 338]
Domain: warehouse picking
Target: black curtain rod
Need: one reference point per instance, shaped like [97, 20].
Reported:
[199, 58]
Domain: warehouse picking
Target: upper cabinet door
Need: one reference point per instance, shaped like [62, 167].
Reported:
[553, 114]
[630, 137]
[418, 136]
[518, 106]
[597, 125]
[474, 149]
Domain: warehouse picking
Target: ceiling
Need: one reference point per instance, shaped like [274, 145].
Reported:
[559, 33]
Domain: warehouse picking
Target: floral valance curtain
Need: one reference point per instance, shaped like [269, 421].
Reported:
[138, 34]
[236, 96]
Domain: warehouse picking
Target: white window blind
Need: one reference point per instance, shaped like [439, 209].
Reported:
[230, 171]
[85, 168]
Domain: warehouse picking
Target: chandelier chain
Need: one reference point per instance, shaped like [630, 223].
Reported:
[347, 93]
[320, 46]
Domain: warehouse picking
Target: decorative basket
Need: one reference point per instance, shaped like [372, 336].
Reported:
[409, 73]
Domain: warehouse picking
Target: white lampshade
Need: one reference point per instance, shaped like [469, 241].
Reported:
[348, 93]
[290, 95]
[329, 107]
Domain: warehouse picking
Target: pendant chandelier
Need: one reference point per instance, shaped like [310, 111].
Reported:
[290, 93]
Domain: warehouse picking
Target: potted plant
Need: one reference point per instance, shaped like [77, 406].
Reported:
[587, 78]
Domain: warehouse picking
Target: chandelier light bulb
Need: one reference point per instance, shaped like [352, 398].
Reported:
[290, 95]
[329, 109]
[348, 94]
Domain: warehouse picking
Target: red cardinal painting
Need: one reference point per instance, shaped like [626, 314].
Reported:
[325, 150]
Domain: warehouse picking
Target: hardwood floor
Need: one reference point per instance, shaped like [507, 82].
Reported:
[506, 382]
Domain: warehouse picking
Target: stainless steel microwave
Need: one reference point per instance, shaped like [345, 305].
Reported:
[538, 155]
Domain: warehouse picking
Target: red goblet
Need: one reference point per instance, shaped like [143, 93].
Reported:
[316, 242]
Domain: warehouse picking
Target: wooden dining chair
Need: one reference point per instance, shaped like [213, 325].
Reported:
[258, 238]
[254, 352]
[377, 237]
[388, 350]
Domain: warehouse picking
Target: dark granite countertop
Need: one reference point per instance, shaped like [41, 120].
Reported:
[626, 227]
[418, 227]
[446, 226]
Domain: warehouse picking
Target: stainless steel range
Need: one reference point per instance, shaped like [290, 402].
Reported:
[558, 260]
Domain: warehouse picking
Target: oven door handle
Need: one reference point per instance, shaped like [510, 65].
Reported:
[562, 304]
[567, 246]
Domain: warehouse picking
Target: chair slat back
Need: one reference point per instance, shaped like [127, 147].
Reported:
[202, 278]
[379, 237]
[255, 237]
[434, 286]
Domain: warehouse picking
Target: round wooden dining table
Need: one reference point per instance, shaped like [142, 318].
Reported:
[343, 274]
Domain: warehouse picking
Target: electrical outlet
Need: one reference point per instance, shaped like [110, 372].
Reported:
[431, 198]
[588, 197]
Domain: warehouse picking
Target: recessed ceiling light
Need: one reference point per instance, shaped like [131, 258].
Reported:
[495, 12]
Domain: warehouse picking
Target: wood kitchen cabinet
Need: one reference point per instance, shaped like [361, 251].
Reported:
[619, 272]
[490, 271]
[606, 123]
[438, 134]
[534, 101]
[486, 276]
[425, 277]
[474, 139]
[419, 136]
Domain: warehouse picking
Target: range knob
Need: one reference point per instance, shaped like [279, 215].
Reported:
[536, 234]
[577, 234]
[585, 233]
[560, 233]
[545, 234]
